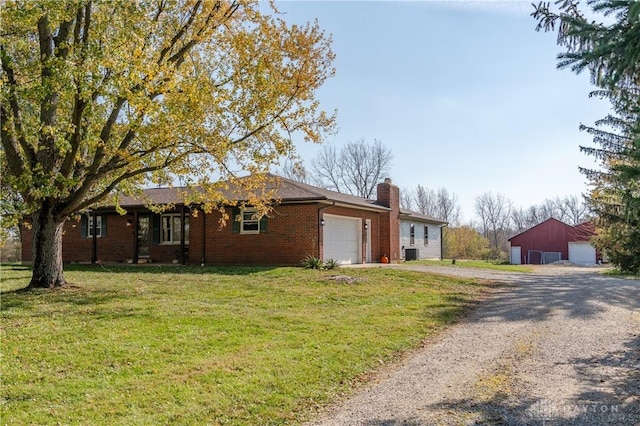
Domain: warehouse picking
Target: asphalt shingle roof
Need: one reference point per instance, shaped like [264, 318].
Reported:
[153, 196]
[287, 190]
[422, 217]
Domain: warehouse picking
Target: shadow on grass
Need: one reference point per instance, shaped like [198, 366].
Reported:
[7, 279]
[152, 268]
[14, 267]
[146, 269]
[452, 309]
[458, 305]
[70, 295]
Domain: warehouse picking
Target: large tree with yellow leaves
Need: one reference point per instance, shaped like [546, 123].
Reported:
[103, 97]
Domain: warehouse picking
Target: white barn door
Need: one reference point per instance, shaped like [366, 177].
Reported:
[516, 255]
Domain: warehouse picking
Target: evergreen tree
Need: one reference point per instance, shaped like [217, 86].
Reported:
[611, 54]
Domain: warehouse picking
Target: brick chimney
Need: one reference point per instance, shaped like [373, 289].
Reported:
[389, 196]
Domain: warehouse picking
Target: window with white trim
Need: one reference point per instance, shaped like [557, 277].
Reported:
[412, 234]
[426, 235]
[98, 226]
[249, 223]
[171, 229]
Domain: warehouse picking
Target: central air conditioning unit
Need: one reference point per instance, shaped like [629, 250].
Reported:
[411, 254]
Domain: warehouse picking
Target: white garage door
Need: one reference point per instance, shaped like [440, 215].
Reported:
[341, 239]
[582, 253]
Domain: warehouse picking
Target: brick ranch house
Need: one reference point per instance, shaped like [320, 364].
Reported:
[306, 220]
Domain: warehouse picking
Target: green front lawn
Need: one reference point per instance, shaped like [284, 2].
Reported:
[142, 345]
[482, 264]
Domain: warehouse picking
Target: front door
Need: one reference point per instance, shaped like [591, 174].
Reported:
[144, 236]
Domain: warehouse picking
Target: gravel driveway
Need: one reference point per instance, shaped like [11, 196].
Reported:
[559, 346]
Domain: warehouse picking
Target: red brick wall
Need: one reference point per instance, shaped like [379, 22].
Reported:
[116, 246]
[293, 232]
[26, 239]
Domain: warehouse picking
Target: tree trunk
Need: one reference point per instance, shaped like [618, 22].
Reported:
[47, 249]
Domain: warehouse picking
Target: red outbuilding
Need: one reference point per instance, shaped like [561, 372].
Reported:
[553, 240]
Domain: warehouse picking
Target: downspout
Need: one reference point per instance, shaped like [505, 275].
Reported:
[442, 241]
[94, 242]
[204, 236]
[183, 259]
[136, 219]
[320, 209]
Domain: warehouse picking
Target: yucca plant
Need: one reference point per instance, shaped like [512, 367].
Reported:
[331, 264]
[312, 262]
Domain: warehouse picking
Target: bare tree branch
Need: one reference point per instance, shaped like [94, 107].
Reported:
[356, 169]
[495, 213]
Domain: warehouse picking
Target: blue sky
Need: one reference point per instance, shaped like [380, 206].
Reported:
[465, 93]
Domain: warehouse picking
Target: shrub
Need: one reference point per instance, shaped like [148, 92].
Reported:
[331, 264]
[311, 262]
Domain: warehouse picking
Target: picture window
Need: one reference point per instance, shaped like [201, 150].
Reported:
[171, 229]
